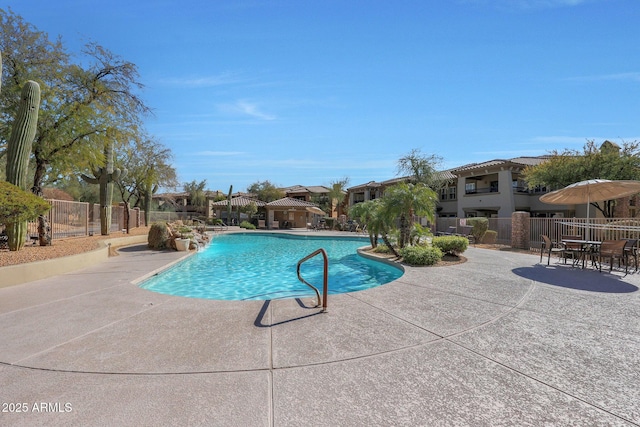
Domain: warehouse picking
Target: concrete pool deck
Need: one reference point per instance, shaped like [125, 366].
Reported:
[498, 340]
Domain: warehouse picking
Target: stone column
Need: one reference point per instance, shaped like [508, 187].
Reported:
[520, 230]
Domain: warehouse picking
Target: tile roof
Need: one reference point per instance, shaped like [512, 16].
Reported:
[450, 174]
[239, 201]
[370, 184]
[288, 202]
[303, 189]
[523, 161]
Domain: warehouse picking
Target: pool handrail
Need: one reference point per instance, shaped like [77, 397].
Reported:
[325, 286]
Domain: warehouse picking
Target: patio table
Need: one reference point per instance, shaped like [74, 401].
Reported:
[586, 246]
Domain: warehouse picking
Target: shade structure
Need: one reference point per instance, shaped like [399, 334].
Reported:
[315, 210]
[592, 190]
[240, 201]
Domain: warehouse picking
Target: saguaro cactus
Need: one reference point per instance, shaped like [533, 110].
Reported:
[18, 150]
[105, 176]
[229, 205]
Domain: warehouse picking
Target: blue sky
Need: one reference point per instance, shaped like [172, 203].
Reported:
[308, 92]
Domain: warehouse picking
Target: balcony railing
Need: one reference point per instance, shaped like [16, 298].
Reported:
[482, 190]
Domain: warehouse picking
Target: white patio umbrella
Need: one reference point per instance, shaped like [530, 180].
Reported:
[592, 190]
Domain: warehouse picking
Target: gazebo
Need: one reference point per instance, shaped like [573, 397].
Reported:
[237, 203]
[291, 213]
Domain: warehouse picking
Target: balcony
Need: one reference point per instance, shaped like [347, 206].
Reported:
[483, 190]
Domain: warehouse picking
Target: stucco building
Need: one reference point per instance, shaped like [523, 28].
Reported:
[492, 189]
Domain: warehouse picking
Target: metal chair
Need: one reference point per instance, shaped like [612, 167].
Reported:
[549, 247]
[613, 249]
[573, 249]
[631, 249]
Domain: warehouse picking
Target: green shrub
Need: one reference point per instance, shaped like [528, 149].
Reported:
[453, 245]
[419, 234]
[382, 249]
[247, 225]
[17, 205]
[490, 237]
[480, 226]
[421, 255]
[158, 235]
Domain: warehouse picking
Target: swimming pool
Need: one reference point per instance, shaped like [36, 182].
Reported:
[262, 266]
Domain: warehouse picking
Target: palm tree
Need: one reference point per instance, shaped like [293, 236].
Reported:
[403, 201]
[337, 193]
[372, 214]
[364, 213]
[197, 194]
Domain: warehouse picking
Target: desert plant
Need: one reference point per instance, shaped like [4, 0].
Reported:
[480, 226]
[19, 205]
[229, 205]
[247, 225]
[250, 209]
[18, 150]
[453, 245]
[382, 249]
[421, 255]
[489, 237]
[419, 234]
[401, 202]
[158, 235]
[105, 176]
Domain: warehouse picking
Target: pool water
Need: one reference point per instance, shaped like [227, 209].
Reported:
[260, 266]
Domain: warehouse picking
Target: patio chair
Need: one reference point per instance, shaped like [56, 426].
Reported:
[549, 247]
[631, 249]
[577, 251]
[465, 230]
[613, 249]
[362, 229]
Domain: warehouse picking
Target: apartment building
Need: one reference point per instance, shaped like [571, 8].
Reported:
[492, 189]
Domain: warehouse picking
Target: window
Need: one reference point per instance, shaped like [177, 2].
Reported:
[519, 186]
[539, 189]
[470, 187]
[493, 187]
[452, 193]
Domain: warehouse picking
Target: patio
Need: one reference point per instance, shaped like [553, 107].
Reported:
[498, 340]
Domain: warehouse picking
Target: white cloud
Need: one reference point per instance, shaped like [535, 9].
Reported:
[631, 77]
[225, 78]
[219, 153]
[247, 109]
[568, 140]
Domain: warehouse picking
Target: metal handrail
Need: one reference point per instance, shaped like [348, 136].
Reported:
[325, 286]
